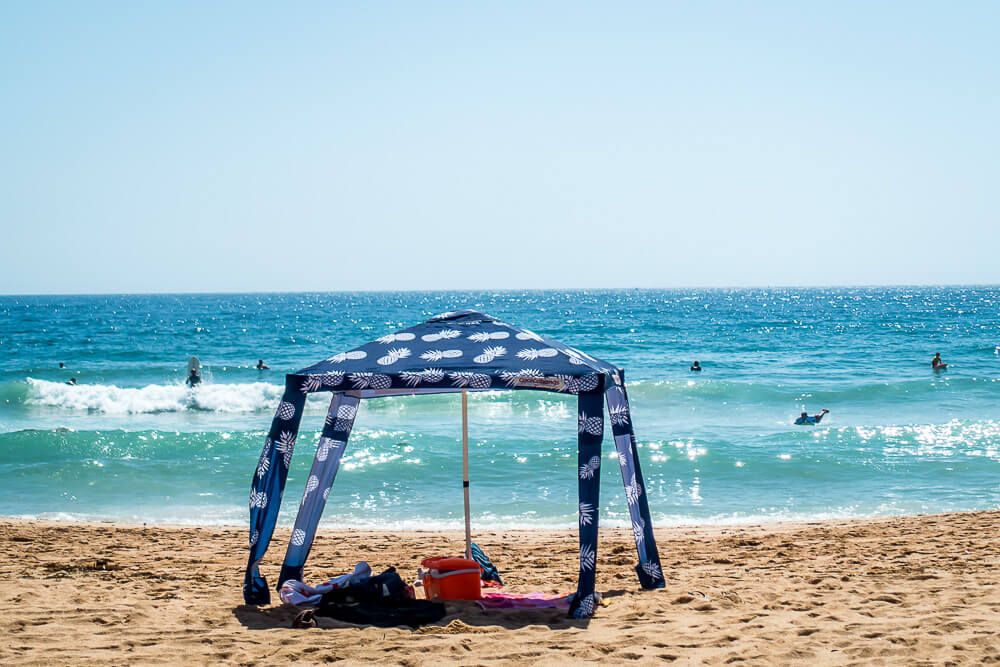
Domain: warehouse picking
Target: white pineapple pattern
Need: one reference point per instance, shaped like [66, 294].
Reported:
[583, 356]
[353, 355]
[311, 485]
[311, 383]
[532, 353]
[528, 335]
[258, 499]
[623, 461]
[324, 447]
[438, 355]
[394, 337]
[586, 514]
[444, 334]
[298, 537]
[571, 385]
[588, 382]
[326, 493]
[486, 336]
[587, 470]
[590, 425]
[512, 377]
[428, 375]
[253, 538]
[586, 608]
[432, 375]
[265, 460]
[470, 379]
[574, 359]
[632, 491]
[653, 570]
[286, 445]
[619, 415]
[489, 354]
[444, 316]
[332, 378]
[638, 530]
[370, 380]
[286, 410]
[588, 559]
[345, 417]
[394, 355]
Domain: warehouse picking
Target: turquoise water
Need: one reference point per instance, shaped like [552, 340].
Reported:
[130, 442]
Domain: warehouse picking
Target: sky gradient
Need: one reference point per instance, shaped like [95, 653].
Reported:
[164, 147]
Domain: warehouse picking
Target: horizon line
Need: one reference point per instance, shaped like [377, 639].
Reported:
[510, 289]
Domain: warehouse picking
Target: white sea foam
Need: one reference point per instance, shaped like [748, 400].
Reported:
[111, 399]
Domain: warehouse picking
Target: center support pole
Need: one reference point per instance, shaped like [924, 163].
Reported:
[465, 473]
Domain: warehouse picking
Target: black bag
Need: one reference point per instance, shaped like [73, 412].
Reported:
[386, 587]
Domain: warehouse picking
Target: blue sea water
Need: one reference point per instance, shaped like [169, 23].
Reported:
[131, 443]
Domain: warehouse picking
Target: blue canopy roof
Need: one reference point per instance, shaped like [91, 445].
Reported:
[464, 349]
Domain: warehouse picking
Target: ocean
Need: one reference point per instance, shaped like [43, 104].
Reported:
[131, 443]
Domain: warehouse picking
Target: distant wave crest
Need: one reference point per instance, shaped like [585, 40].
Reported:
[111, 399]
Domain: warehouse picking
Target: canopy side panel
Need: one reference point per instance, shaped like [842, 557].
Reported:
[649, 569]
[326, 463]
[268, 484]
[590, 433]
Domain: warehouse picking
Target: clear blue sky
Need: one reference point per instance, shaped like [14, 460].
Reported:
[168, 146]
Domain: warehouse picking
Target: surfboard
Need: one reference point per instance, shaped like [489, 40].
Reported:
[194, 365]
[941, 367]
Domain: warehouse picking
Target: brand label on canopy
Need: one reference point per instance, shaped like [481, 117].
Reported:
[553, 384]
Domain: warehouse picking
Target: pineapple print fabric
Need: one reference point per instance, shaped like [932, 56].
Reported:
[591, 417]
[464, 349]
[452, 352]
[269, 484]
[326, 463]
[650, 574]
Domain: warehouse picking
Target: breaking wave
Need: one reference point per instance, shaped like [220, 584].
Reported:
[263, 397]
[154, 398]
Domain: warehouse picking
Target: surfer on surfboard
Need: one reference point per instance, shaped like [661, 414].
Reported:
[806, 420]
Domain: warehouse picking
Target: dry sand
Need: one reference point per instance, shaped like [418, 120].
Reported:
[913, 590]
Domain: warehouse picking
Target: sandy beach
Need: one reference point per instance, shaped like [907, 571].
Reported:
[911, 590]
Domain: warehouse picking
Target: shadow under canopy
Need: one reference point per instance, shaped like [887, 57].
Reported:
[454, 352]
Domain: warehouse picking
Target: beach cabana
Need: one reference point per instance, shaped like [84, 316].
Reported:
[455, 352]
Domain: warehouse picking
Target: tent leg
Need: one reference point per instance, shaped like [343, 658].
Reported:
[329, 451]
[268, 485]
[590, 434]
[649, 569]
[465, 472]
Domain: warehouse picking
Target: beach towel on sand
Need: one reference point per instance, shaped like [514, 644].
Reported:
[488, 571]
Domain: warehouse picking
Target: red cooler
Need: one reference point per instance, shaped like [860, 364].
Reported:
[451, 579]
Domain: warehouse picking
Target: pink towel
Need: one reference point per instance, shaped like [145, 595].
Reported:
[524, 601]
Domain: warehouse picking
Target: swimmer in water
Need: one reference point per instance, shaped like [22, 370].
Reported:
[193, 379]
[937, 362]
[71, 382]
[805, 420]
[261, 366]
[696, 367]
